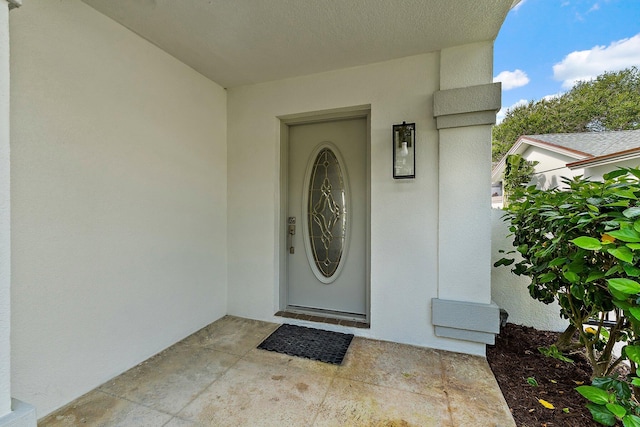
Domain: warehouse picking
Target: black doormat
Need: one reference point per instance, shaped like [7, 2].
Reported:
[314, 344]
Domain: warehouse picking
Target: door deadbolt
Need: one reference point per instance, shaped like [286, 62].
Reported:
[292, 232]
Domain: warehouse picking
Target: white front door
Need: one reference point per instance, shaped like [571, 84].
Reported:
[327, 200]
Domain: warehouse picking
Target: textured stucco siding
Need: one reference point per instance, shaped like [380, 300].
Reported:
[118, 201]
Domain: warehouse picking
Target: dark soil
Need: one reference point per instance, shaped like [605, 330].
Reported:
[515, 358]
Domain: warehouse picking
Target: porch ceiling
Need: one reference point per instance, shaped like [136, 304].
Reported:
[250, 41]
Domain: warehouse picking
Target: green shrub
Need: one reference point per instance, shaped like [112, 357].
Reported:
[580, 246]
[517, 172]
[611, 399]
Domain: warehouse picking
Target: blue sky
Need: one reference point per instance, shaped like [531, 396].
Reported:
[544, 46]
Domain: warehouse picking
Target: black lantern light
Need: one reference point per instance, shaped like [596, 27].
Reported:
[404, 150]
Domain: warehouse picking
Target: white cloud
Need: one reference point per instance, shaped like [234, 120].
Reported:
[552, 96]
[588, 64]
[595, 7]
[503, 111]
[512, 79]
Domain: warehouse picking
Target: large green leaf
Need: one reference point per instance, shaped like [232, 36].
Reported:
[631, 270]
[594, 394]
[621, 388]
[594, 275]
[632, 212]
[619, 296]
[601, 414]
[635, 312]
[626, 286]
[577, 291]
[622, 304]
[613, 270]
[614, 174]
[635, 172]
[631, 421]
[588, 243]
[571, 276]
[622, 253]
[616, 409]
[547, 277]
[625, 193]
[632, 352]
[621, 203]
[626, 235]
[557, 261]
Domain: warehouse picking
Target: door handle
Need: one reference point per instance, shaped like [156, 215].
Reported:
[292, 232]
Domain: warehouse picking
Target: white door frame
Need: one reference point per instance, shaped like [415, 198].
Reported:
[359, 111]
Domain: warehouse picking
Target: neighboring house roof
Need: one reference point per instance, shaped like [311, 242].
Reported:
[593, 144]
[587, 148]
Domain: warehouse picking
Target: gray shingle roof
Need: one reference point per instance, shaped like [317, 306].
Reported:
[593, 143]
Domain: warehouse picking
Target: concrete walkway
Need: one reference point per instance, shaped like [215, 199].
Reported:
[217, 377]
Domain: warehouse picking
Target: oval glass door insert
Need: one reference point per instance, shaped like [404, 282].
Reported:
[327, 215]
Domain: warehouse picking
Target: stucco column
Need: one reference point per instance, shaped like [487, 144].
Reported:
[12, 412]
[465, 108]
[5, 243]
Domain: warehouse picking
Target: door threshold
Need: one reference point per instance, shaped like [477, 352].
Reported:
[331, 318]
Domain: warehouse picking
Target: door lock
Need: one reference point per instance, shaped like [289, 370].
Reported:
[292, 232]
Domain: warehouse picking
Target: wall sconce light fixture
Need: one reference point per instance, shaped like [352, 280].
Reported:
[404, 150]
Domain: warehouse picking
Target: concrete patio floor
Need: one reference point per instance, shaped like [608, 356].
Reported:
[217, 377]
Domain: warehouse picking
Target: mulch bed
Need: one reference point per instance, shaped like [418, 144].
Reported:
[515, 358]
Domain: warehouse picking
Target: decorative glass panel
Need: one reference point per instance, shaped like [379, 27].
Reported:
[327, 212]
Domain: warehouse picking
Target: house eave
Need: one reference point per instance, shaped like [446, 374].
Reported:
[519, 147]
[498, 170]
[576, 154]
[633, 153]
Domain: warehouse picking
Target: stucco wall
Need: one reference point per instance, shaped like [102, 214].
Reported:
[551, 168]
[5, 243]
[118, 201]
[596, 172]
[404, 213]
[510, 291]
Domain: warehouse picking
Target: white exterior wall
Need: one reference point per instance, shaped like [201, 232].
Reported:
[118, 201]
[596, 172]
[5, 228]
[551, 167]
[396, 240]
[511, 292]
[404, 215]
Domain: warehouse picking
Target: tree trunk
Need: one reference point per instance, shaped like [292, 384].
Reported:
[565, 340]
